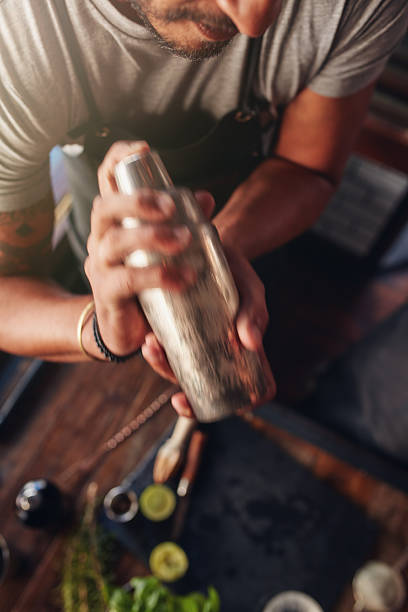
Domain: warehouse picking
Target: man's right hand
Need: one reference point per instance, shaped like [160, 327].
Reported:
[115, 284]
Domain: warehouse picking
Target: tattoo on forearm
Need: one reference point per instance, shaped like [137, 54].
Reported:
[24, 216]
[25, 239]
[34, 259]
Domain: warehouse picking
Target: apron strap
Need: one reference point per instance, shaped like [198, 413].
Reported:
[247, 106]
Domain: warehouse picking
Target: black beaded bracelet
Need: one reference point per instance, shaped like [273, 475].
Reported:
[104, 349]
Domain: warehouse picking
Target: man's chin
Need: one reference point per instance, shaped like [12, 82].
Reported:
[203, 51]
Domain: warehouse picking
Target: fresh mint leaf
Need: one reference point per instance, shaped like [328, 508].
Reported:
[198, 598]
[187, 604]
[150, 595]
[120, 601]
[213, 603]
[143, 586]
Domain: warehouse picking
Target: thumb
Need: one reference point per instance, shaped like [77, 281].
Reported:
[250, 331]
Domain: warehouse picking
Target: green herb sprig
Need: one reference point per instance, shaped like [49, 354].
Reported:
[85, 574]
[150, 595]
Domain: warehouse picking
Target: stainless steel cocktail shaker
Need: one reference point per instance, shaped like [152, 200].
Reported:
[196, 327]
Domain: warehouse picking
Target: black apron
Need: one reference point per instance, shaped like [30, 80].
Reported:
[219, 161]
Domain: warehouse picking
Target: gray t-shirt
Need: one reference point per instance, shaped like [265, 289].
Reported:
[334, 47]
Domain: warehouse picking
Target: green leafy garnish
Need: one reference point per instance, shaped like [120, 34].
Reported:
[120, 601]
[150, 595]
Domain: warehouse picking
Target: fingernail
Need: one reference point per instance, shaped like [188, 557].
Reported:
[185, 412]
[140, 145]
[166, 203]
[182, 234]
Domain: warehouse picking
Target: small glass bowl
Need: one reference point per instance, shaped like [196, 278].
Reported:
[378, 587]
[121, 505]
[292, 600]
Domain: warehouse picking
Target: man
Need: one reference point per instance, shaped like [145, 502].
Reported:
[173, 68]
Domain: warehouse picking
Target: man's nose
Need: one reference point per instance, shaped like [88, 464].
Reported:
[252, 17]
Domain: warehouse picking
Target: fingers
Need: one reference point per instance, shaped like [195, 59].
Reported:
[119, 150]
[121, 283]
[180, 404]
[110, 243]
[206, 202]
[117, 243]
[123, 224]
[253, 316]
[155, 356]
[146, 205]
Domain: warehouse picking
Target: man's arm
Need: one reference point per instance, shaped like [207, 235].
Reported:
[285, 195]
[38, 317]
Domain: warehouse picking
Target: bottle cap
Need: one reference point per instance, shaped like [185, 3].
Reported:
[39, 503]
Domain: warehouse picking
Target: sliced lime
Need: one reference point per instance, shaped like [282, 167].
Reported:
[168, 562]
[157, 502]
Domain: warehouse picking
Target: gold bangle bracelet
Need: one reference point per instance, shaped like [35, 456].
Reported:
[83, 318]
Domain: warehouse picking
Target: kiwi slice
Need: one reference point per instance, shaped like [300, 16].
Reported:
[157, 502]
[168, 562]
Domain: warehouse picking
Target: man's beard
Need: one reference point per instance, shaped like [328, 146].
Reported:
[206, 50]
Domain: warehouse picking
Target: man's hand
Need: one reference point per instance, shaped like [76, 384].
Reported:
[251, 323]
[114, 284]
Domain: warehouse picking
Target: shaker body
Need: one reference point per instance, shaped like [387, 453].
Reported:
[196, 327]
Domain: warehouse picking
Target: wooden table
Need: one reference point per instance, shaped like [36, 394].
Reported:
[73, 408]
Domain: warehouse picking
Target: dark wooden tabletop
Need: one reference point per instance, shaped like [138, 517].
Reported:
[72, 409]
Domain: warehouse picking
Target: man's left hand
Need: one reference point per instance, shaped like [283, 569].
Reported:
[251, 323]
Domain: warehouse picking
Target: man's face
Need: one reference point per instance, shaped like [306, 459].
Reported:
[202, 28]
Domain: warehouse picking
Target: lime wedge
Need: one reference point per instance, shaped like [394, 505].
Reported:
[157, 502]
[168, 562]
